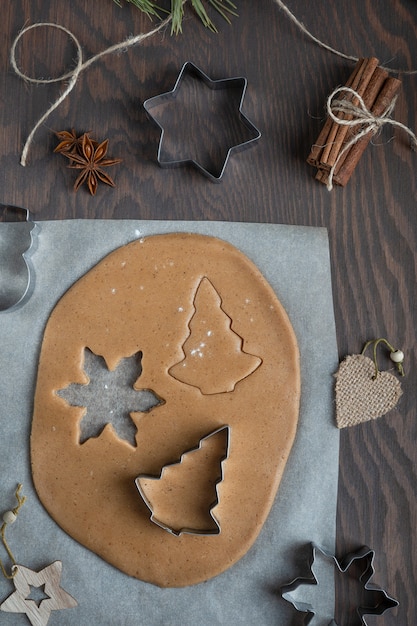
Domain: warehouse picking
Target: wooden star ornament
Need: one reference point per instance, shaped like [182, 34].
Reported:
[54, 597]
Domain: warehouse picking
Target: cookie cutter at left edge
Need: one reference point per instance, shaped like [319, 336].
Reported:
[17, 236]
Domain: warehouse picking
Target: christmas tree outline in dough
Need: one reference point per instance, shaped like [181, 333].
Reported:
[144, 483]
[207, 365]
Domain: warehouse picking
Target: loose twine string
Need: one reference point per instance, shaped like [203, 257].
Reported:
[372, 123]
[20, 502]
[73, 74]
[322, 44]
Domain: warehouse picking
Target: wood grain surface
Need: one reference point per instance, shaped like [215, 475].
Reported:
[372, 222]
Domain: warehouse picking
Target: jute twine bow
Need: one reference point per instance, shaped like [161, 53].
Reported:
[360, 115]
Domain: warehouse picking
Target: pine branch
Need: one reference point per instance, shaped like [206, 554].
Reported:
[146, 6]
[224, 11]
[225, 8]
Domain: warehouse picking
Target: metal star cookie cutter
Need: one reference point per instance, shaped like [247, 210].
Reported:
[185, 530]
[380, 599]
[213, 136]
[17, 233]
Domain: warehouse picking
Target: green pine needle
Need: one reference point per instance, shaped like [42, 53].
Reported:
[225, 8]
[148, 7]
[177, 12]
[202, 14]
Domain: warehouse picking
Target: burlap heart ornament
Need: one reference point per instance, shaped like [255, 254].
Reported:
[360, 395]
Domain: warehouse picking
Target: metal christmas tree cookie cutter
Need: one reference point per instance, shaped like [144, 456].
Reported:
[214, 125]
[17, 235]
[379, 599]
[149, 477]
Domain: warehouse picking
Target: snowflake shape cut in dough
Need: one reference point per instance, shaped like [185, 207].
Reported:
[306, 595]
[110, 397]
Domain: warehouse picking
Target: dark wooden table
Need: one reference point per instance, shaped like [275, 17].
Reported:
[372, 222]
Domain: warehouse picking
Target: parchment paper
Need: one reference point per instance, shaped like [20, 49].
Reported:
[295, 260]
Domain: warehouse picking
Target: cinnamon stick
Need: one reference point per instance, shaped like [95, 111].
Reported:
[317, 149]
[337, 137]
[322, 176]
[388, 92]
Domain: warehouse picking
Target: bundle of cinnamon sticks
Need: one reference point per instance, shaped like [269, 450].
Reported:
[378, 91]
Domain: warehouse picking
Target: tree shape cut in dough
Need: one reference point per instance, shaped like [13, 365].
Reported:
[109, 397]
[182, 498]
[214, 360]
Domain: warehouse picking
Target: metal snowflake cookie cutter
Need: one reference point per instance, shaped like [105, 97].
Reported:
[17, 234]
[214, 124]
[144, 480]
[379, 600]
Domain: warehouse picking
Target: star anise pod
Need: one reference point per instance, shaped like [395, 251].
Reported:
[90, 159]
[69, 142]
